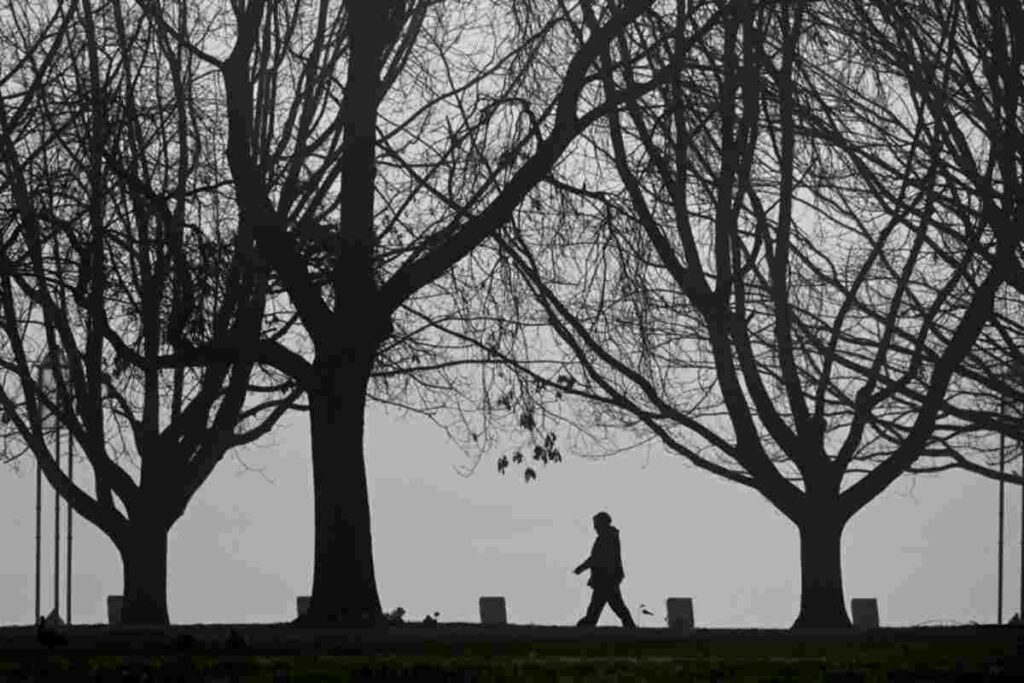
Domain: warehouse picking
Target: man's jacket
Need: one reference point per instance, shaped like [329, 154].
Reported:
[605, 561]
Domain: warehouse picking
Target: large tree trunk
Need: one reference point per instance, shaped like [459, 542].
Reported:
[822, 604]
[344, 583]
[144, 557]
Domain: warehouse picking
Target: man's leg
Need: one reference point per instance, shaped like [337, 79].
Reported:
[597, 600]
[619, 607]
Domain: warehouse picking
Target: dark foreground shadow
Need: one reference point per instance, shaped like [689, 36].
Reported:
[277, 652]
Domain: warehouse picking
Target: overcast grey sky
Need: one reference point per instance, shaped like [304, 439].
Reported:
[243, 550]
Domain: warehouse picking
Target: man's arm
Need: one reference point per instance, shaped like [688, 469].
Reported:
[589, 562]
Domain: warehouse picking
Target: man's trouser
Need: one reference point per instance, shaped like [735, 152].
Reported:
[606, 594]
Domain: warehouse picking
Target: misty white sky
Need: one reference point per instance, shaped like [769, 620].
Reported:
[243, 550]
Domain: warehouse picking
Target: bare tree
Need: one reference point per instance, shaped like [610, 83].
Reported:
[754, 269]
[372, 146]
[119, 252]
[960, 61]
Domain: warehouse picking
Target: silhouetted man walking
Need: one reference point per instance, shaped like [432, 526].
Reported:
[605, 565]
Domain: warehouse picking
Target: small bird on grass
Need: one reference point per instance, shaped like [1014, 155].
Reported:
[394, 617]
[48, 636]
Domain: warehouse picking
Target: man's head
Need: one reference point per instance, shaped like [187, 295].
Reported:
[602, 520]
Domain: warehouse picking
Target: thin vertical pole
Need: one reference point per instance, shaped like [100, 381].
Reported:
[71, 478]
[1002, 495]
[39, 531]
[56, 530]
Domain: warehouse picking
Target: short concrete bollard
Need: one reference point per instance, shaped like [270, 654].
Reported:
[492, 611]
[865, 612]
[302, 604]
[680, 613]
[114, 605]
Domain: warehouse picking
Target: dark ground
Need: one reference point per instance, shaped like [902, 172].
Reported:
[281, 652]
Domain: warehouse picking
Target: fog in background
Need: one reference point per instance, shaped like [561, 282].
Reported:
[242, 552]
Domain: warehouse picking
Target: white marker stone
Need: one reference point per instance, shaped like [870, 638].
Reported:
[492, 610]
[114, 605]
[680, 613]
[865, 612]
